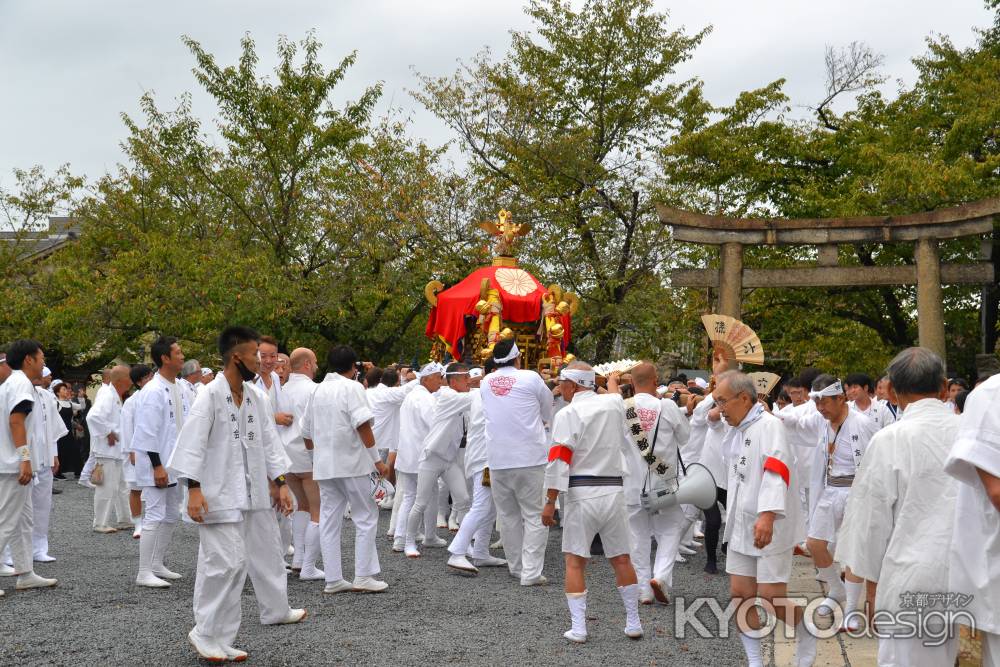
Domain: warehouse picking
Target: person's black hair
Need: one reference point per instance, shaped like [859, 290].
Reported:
[489, 366]
[19, 350]
[138, 372]
[682, 377]
[960, 382]
[161, 348]
[960, 400]
[501, 350]
[233, 336]
[697, 391]
[341, 358]
[456, 367]
[390, 377]
[374, 376]
[823, 381]
[859, 380]
[808, 375]
[783, 396]
[793, 383]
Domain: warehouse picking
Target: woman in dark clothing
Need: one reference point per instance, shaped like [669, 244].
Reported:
[69, 452]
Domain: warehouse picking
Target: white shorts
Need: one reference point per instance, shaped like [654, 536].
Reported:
[587, 517]
[766, 569]
[829, 513]
[128, 473]
[301, 458]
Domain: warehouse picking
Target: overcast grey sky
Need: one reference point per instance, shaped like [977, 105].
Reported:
[68, 68]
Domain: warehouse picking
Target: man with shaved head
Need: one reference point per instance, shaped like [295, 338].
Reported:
[111, 510]
[297, 392]
[663, 430]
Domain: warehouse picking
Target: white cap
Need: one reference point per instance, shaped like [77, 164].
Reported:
[701, 383]
[205, 372]
[46, 372]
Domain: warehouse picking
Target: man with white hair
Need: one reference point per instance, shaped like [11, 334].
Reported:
[416, 416]
[446, 436]
[900, 514]
[586, 464]
[517, 405]
[974, 557]
[190, 380]
[104, 421]
[761, 522]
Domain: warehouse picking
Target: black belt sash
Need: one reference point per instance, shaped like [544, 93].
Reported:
[594, 480]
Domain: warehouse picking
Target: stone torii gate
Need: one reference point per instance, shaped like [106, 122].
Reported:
[923, 229]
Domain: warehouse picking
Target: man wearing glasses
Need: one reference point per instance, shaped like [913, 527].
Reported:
[762, 519]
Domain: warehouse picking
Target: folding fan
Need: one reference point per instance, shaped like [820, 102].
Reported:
[622, 366]
[764, 382]
[736, 340]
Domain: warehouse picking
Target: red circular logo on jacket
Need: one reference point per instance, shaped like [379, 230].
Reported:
[502, 384]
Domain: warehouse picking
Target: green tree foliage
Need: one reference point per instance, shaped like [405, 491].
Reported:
[564, 131]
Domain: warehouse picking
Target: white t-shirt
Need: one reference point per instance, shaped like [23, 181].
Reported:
[337, 408]
[517, 405]
[13, 392]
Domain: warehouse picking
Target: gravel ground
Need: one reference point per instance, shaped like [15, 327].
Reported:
[428, 616]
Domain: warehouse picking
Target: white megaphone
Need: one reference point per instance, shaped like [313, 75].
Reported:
[697, 488]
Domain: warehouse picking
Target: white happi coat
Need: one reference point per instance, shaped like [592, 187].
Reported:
[337, 409]
[295, 396]
[48, 428]
[449, 424]
[230, 450]
[128, 421]
[698, 431]
[190, 390]
[103, 419]
[385, 403]
[155, 428]
[517, 404]
[803, 431]
[761, 479]
[15, 390]
[587, 440]
[415, 417]
[713, 454]
[664, 419]
[475, 449]
[878, 411]
[975, 549]
[899, 518]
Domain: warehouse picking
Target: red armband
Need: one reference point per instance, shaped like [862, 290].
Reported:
[561, 452]
[776, 466]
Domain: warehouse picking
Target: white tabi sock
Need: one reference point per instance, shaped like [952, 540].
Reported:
[300, 521]
[577, 603]
[630, 597]
[805, 646]
[751, 647]
[831, 575]
[853, 594]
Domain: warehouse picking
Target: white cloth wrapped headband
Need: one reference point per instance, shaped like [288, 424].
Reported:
[581, 377]
[430, 369]
[835, 389]
[513, 354]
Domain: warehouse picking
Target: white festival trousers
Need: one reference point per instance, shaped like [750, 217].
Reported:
[424, 505]
[406, 494]
[111, 496]
[335, 496]
[41, 509]
[478, 523]
[911, 652]
[227, 553]
[667, 527]
[162, 505]
[16, 521]
[518, 495]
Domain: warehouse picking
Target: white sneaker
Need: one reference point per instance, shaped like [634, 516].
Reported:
[150, 580]
[368, 585]
[206, 650]
[85, 483]
[339, 586]
[6, 570]
[294, 616]
[827, 606]
[634, 633]
[680, 559]
[311, 574]
[411, 551]
[646, 597]
[168, 574]
[573, 637]
[44, 558]
[32, 580]
[2, 593]
[452, 524]
[698, 534]
[434, 542]
[805, 646]
[496, 545]
[398, 546]
[489, 561]
[540, 580]
[442, 522]
[234, 654]
[462, 564]
[105, 530]
[693, 544]
[685, 551]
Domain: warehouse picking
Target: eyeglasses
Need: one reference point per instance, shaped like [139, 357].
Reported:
[721, 402]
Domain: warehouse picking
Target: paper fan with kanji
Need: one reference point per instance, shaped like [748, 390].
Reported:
[765, 382]
[734, 339]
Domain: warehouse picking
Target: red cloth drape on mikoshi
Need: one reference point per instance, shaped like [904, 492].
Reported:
[458, 301]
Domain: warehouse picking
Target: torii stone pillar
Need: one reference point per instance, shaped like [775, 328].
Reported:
[730, 279]
[930, 307]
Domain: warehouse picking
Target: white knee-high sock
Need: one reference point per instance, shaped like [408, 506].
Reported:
[853, 594]
[751, 646]
[831, 575]
[577, 603]
[630, 598]
[300, 521]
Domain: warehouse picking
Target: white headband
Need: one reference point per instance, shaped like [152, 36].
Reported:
[205, 372]
[433, 368]
[476, 373]
[448, 373]
[513, 354]
[3, 358]
[583, 378]
[55, 385]
[46, 372]
[835, 389]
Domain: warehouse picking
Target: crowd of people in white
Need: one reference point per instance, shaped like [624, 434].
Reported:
[891, 487]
